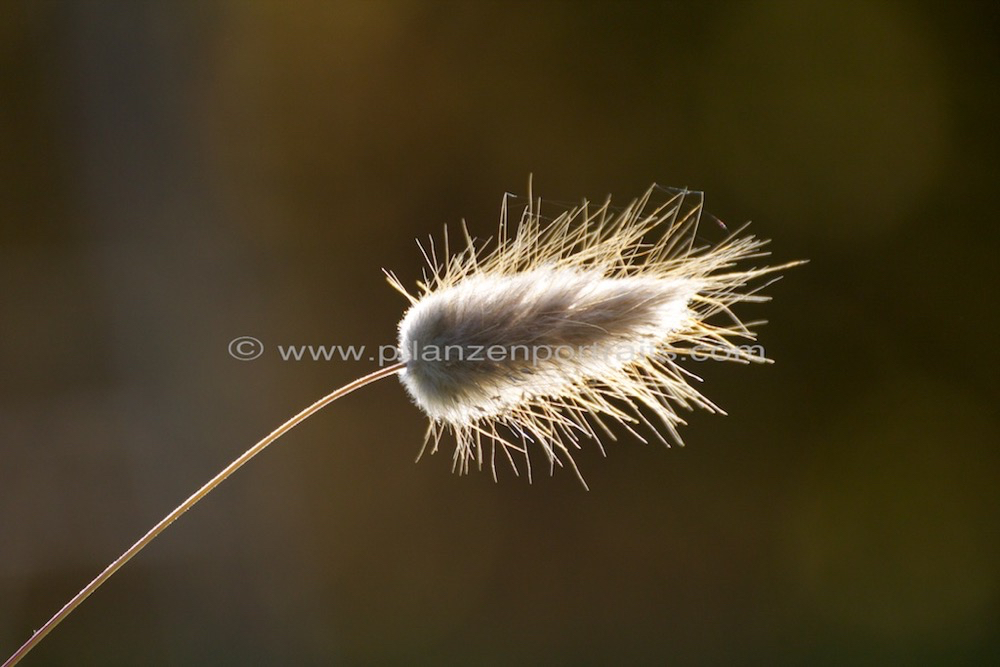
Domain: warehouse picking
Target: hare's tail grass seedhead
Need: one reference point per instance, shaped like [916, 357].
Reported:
[565, 325]
[571, 322]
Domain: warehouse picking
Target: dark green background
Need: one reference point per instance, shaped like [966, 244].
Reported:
[174, 175]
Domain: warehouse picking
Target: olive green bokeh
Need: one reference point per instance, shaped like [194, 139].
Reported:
[176, 175]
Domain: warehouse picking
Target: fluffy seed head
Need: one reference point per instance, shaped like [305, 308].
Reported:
[571, 321]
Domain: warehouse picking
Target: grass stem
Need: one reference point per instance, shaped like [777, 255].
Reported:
[190, 502]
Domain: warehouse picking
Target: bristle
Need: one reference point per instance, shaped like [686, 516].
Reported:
[572, 319]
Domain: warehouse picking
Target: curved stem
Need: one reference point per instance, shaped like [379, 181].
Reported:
[190, 502]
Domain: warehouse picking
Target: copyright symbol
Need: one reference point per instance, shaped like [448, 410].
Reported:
[245, 348]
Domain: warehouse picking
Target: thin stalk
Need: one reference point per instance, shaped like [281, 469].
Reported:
[190, 502]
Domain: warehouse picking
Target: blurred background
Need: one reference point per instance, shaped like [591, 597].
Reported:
[175, 175]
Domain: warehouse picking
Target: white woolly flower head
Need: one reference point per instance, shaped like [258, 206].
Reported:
[566, 323]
